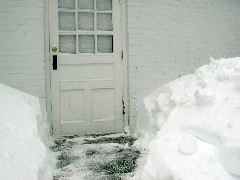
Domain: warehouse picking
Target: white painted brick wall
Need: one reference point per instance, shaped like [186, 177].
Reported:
[170, 38]
[22, 45]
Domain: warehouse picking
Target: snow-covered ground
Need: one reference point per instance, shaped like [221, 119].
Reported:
[23, 137]
[191, 126]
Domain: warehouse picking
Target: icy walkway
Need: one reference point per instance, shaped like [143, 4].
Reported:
[110, 157]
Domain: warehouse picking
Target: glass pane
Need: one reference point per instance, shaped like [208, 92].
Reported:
[85, 4]
[67, 44]
[86, 21]
[104, 4]
[104, 22]
[66, 21]
[105, 44]
[69, 4]
[86, 44]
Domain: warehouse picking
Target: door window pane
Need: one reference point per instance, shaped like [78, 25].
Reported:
[86, 44]
[104, 22]
[104, 4]
[69, 4]
[85, 4]
[66, 21]
[85, 21]
[105, 44]
[67, 44]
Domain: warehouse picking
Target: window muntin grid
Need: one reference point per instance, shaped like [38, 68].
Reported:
[89, 21]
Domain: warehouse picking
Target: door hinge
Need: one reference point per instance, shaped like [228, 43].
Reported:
[122, 55]
[123, 108]
[120, 2]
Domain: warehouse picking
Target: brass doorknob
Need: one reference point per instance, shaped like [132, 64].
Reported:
[54, 49]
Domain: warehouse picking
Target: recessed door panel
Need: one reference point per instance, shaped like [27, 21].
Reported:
[72, 105]
[103, 101]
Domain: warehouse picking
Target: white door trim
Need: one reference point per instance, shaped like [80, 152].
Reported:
[125, 63]
[47, 61]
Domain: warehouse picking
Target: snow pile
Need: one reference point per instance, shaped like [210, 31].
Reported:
[23, 154]
[191, 126]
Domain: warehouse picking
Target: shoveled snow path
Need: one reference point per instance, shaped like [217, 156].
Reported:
[95, 158]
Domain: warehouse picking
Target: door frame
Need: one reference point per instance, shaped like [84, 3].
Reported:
[124, 63]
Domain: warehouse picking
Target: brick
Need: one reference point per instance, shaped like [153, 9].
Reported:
[22, 45]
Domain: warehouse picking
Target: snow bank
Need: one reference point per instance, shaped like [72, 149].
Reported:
[191, 126]
[23, 154]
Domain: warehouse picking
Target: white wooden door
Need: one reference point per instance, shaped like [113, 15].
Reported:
[86, 76]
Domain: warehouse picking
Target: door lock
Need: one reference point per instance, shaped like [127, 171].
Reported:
[54, 62]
